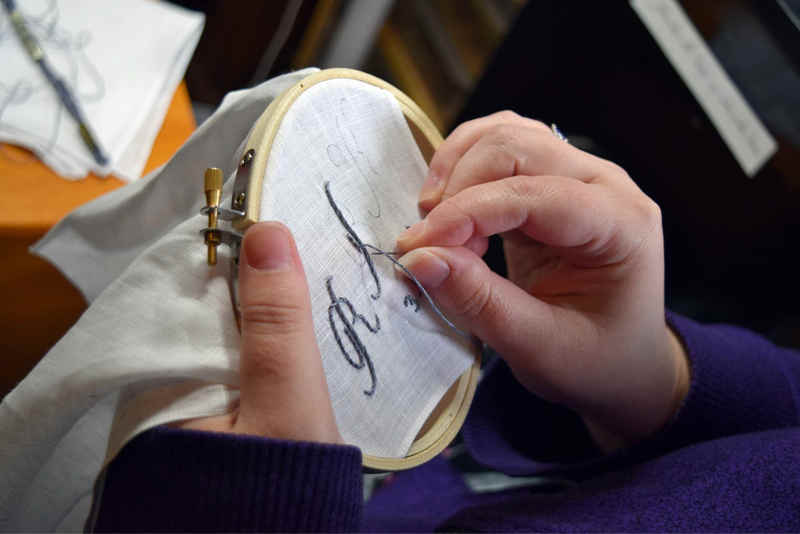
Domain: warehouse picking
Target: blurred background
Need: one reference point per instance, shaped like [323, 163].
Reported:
[596, 70]
[435, 51]
[592, 67]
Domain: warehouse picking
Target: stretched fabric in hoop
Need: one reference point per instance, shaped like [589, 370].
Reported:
[159, 342]
[395, 359]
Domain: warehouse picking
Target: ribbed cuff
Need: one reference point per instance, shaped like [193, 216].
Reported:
[740, 383]
[181, 480]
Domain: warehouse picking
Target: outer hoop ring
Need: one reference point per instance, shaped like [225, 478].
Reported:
[447, 418]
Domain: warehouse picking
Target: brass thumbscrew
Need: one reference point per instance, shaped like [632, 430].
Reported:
[213, 190]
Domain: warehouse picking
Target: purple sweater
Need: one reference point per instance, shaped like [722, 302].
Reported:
[730, 460]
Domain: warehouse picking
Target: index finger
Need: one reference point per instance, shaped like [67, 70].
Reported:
[456, 145]
[598, 223]
[553, 210]
[504, 145]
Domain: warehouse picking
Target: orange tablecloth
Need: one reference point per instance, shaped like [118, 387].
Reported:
[39, 305]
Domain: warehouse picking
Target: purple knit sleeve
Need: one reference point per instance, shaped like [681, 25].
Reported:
[181, 480]
[740, 383]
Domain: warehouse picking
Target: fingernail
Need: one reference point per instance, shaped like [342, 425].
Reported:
[411, 233]
[267, 247]
[430, 187]
[428, 268]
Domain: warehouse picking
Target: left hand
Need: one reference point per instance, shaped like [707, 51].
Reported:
[580, 319]
[284, 393]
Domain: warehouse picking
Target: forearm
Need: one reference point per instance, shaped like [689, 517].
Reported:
[171, 479]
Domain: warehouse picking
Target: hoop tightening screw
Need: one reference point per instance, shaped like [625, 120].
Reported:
[213, 190]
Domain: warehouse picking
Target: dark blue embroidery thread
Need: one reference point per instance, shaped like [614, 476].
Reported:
[434, 307]
[335, 311]
[338, 304]
[352, 236]
[409, 300]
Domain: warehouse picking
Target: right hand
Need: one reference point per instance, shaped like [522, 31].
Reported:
[580, 320]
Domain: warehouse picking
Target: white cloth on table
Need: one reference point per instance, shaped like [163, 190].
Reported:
[122, 61]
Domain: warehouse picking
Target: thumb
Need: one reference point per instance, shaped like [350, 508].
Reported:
[491, 307]
[284, 393]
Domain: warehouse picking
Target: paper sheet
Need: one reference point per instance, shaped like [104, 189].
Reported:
[122, 60]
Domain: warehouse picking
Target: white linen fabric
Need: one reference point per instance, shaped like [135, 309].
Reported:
[55, 426]
[159, 341]
[353, 137]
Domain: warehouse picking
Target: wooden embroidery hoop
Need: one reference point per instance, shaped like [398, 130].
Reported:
[446, 419]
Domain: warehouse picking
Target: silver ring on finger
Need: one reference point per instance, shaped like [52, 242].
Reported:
[558, 133]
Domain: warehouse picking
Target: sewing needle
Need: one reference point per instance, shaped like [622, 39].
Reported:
[36, 53]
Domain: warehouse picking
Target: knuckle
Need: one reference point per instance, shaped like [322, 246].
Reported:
[475, 302]
[481, 123]
[520, 187]
[613, 168]
[454, 212]
[615, 172]
[501, 148]
[460, 223]
[648, 211]
[539, 125]
[525, 188]
[286, 317]
[500, 155]
[264, 361]
[461, 128]
[515, 120]
[506, 115]
[504, 136]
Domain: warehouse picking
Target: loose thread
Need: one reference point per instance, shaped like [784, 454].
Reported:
[424, 292]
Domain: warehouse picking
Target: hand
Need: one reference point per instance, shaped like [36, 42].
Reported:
[580, 319]
[283, 389]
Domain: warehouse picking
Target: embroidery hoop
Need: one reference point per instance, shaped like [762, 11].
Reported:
[447, 417]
